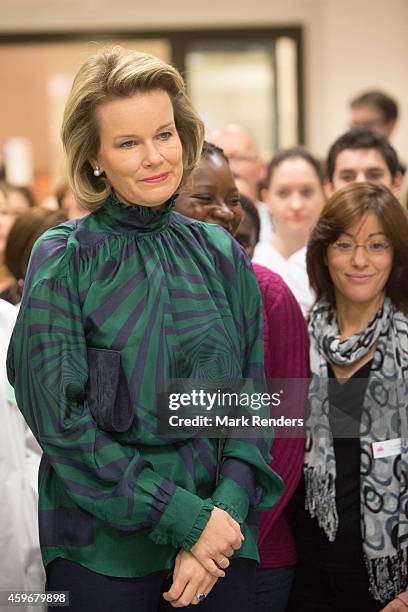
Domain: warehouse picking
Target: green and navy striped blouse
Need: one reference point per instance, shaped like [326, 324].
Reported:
[114, 305]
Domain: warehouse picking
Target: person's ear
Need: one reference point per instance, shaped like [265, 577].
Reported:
[264, 193]
[390, 127]
[396, 184]
[328, 188]
[262, 166]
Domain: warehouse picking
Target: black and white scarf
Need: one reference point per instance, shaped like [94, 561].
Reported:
[383, 481]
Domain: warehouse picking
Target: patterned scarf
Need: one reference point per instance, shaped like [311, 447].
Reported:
[383, 481]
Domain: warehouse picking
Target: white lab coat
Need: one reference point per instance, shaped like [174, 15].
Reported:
[21, 567]
[292, 270]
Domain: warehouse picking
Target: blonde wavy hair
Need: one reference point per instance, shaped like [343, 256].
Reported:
[111, 73]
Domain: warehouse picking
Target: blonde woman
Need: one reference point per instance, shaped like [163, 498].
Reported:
[115, 304]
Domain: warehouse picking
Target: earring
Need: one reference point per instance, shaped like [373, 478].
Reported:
[97, 171]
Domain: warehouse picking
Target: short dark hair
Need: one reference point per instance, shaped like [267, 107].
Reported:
[385, 104]
[251, 210]
[344, 208]
[293, 153]
[362, 138]
[24, 232]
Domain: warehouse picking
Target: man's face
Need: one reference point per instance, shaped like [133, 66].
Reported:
[358, 166]
[371, 117]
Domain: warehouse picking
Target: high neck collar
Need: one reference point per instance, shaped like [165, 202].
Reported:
[131, 217]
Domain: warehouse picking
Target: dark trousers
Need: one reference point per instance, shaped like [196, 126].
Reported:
[273, 588]
[92, 592]
[320, 590]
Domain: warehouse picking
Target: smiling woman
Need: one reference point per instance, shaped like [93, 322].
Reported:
[100, 120]
[140, 150]
[348, 518]
[360, 263]
[211, 194]
[116, 304]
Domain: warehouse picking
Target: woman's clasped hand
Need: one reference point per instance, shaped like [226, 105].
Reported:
[219, 539]
[196, 571]
[190, 580]
[396, 605]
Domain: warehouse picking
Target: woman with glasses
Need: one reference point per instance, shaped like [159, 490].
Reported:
[351, 519]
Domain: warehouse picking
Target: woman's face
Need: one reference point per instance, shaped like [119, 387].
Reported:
[140, 150]
[211, 194]
[246, 235]
[295, 199]
[360, 274]
[11, 206]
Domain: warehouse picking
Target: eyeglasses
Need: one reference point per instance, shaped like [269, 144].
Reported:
[372, 247]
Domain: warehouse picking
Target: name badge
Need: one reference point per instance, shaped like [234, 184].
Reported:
[388, 448]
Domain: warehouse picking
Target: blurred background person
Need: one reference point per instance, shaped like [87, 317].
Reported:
[362, 155]
[67, 202]
[14, 201]
[21, 196]
[249, 229]
[240, 148]
[21, 567]
[211, 195]
[22, 236]
[376, 111]
[350, 527]
[12, 471]
[294, 193]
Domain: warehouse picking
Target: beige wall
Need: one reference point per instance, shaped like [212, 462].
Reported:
[365, 45]
[349, 44]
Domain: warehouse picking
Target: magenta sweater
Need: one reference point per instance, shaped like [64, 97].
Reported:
[286, 356]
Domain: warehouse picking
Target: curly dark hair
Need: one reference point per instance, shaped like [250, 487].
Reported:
[211, 149]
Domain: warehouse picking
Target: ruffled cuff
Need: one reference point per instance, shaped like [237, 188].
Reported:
[183, 518]
[199, 524]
